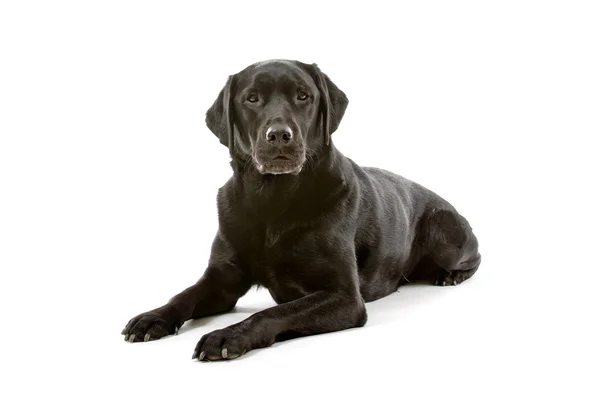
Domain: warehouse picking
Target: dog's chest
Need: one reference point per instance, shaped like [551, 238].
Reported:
[271, 254]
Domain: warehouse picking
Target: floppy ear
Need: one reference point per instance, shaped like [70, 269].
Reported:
[333, 103]
[219, 117]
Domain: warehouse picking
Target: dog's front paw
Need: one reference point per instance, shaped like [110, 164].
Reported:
[226, 344]
[152, 325]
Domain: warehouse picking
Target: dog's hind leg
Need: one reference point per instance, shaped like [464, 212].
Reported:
[451, 253]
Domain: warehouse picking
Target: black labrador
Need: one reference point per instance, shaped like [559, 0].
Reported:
[297, 217]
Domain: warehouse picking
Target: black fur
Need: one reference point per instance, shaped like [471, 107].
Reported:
[322, 234]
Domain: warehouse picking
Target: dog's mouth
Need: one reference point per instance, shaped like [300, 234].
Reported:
[280, 164]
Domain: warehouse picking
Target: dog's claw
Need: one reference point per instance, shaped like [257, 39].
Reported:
[454, 282]
[201, 356]
[224, 353]
[131, 338]
[147, 337]
[176, 330]
[195, 355]
[443, 283]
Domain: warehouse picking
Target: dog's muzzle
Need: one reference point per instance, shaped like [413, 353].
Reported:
[280, 150]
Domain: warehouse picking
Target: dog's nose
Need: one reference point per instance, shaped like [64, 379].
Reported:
[279, 134]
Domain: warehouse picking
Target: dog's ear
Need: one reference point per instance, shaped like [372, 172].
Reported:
[333, 102]
[219, 117]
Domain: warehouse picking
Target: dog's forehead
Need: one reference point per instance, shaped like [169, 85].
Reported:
[275, 73]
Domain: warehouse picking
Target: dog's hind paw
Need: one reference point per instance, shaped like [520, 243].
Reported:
[451, 278]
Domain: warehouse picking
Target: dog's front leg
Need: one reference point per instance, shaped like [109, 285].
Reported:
[319, 312]
[217, 291]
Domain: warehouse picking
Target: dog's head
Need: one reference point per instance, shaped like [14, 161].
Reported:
[275, 112]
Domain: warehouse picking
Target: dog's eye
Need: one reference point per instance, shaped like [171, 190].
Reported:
[302, 96]
[252, 98]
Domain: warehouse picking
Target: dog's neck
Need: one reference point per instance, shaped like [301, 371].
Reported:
[322, 179]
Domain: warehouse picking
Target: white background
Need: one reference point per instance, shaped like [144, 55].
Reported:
[108, 179]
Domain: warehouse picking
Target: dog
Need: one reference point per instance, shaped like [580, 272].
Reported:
[297, 217]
